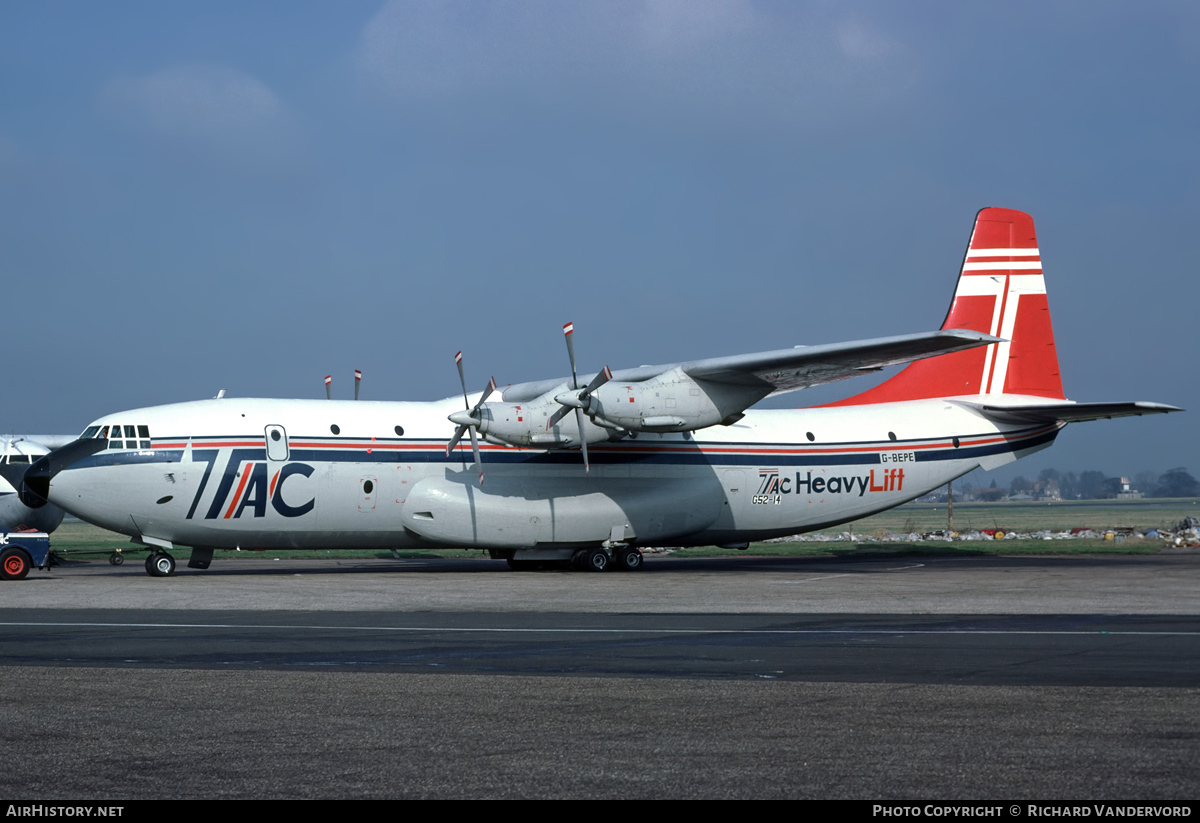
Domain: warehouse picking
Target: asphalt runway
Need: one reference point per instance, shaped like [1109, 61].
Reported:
[875, 677]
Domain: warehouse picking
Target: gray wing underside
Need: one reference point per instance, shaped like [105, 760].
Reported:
[785, 370]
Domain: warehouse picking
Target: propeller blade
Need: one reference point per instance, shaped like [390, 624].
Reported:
[462, 379]
[475, 451]
[569, 334]
[599, 380]
[582, 441]
[468, 422]
[557, 416]
[458, 433]
[491, 387]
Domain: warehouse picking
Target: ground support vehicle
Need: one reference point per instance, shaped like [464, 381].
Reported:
[21, 551]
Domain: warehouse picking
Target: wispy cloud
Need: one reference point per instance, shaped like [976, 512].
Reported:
[792, 61]
[214, 111]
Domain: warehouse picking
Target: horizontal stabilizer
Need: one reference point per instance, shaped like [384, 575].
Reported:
[1067, 412]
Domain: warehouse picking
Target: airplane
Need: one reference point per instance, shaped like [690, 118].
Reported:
[669, 455]
[18, 453]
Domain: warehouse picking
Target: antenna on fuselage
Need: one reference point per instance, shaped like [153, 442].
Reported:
[357, 382]
[328, 388]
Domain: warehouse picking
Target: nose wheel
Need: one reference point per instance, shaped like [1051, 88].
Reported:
[160, 564]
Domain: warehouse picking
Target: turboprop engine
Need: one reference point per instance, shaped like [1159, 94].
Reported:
[529, 425]
[670, 402]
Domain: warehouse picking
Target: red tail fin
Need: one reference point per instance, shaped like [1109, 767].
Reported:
[1000, 291]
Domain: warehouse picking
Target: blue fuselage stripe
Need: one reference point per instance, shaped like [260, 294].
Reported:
[675, 453]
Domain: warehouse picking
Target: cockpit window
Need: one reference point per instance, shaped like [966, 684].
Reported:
[18, 458]
[89, 433]
[130, 432]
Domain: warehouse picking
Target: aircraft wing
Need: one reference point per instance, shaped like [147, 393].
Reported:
[798, 368]
[784, 370]
[1068, 412]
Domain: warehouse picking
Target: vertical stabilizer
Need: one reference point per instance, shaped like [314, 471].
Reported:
[1000, 291]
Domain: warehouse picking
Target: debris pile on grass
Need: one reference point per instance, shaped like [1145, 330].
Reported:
[1185, 534]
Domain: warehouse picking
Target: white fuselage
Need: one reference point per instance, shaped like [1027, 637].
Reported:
[258, 474]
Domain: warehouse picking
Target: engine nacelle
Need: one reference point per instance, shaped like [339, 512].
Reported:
[671, 402]
[525, 425]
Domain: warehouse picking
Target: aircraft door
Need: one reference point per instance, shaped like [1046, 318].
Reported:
[277, 443]
[735, 486]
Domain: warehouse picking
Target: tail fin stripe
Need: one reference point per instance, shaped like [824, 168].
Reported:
[1003, 253]
[991, 286]
[1007, 324]
[999, 351]
[1008, 265]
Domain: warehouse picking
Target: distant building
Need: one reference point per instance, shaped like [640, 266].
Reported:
[1126, 491]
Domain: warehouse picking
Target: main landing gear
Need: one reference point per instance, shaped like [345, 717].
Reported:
[622, 559]
[625, 558]
[628, 559]
[160, 564]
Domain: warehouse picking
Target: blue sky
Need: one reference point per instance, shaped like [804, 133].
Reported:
[250, 196]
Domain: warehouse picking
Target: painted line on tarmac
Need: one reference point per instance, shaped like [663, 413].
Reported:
[501, 630]
[846, 574]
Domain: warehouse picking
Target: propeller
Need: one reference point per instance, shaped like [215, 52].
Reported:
[577, 399]
[468, 421]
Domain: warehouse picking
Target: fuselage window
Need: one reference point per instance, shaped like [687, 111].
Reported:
[399, 431]
[335, 428]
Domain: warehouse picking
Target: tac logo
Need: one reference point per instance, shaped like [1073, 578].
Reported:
[256, 488]
[772, 482]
